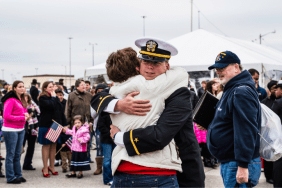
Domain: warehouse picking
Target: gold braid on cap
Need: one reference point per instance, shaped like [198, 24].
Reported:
[154, 54]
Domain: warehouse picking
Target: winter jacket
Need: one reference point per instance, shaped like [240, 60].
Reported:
[201, 135]
[13, 111]
[51, 109]
[83, 134]
[276, 107]
[262, 93]
[201, 91]
[34, 94]
[78, 104]
[233, 133]
[33, 119]
[194, 99]
[103, 125]
[268, 101]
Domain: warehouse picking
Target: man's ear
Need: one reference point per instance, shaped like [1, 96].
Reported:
[138, 69]
[167, 66]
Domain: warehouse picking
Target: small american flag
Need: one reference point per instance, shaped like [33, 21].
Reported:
[54, 132]
[69, 142]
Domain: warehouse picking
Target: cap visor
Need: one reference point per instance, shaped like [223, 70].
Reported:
[218, 65]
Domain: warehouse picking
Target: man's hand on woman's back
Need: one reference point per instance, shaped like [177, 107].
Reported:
[129, 105]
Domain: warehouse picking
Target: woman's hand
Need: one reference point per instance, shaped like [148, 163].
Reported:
[26, 116]
[53, 94]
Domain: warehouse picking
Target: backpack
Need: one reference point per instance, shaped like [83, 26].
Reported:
[270, 135]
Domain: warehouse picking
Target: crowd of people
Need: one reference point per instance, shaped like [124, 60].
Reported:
[142, 123]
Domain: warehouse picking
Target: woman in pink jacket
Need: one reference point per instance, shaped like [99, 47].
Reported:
[15, 115]
[80, 137]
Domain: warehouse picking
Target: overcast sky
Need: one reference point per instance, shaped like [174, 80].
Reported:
[34, 33]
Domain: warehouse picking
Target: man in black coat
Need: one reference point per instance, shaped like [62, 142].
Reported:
[34, 91]
[277, 108]
[269, 101]
[103, 125]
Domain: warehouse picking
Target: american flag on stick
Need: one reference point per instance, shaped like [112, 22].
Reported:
[69, 142]
[54, 132]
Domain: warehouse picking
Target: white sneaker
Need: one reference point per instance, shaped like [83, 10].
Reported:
[110, 183]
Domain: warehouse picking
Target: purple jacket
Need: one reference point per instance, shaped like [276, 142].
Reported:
[83, 134]
[201, 135]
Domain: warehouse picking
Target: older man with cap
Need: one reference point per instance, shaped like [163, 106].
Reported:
[174, 123]
[233, 134]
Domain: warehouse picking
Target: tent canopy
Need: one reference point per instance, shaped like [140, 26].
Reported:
[197, 51]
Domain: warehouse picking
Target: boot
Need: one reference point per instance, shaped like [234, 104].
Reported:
[1, 175]
[99, 162]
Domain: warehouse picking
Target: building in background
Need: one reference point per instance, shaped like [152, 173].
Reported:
[45, 77]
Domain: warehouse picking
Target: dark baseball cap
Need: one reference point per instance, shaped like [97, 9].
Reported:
[272, 83]
[224, 59]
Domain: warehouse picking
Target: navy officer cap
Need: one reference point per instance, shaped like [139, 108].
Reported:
[224, 59]
[153, 49]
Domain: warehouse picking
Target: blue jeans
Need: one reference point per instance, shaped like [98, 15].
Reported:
[13, 142]
[107, 162]
[98, 144]
[140, 180]
[228, 172]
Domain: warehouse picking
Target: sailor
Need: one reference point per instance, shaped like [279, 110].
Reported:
[174, 123]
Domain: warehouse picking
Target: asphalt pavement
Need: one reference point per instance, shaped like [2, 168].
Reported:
[35, 178]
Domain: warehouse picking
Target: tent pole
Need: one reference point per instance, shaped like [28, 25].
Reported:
[212, 74]
[262, 76]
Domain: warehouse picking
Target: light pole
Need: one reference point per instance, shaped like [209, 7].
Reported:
[70, 60]
[93, 50]
[191, 15]
[2, 74]
[36, 70]
[198, 19]
[260, 36]
[65, 70]
[143, 24]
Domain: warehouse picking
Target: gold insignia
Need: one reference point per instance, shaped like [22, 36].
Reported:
[151, 46]
[136, 140]
[100, 98]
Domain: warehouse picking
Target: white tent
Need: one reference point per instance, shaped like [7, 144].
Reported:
[198, 50]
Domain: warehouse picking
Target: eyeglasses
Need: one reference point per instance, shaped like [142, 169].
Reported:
[220, 69]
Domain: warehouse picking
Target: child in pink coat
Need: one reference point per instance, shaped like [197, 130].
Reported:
[80, 137]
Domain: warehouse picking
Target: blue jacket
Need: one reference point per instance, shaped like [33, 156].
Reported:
[262, 93]
[233, 133]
